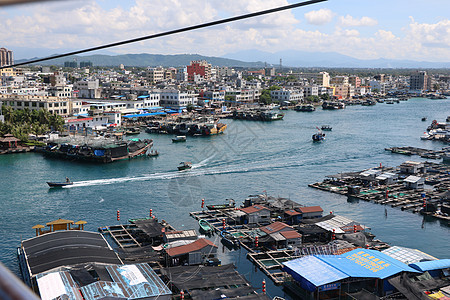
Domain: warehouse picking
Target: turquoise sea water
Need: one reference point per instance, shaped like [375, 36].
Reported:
[251, 157]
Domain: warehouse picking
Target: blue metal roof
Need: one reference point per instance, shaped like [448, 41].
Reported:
[431, 265]
[314, 270]
[367, 264]
[144, 96]
[364, 263]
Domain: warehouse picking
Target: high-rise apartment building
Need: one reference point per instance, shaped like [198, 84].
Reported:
[201, 68]
[419, 81]
[6, 57]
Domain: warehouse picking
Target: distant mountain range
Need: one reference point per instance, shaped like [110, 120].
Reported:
[293, 58]
[248, 59]
[145, 60]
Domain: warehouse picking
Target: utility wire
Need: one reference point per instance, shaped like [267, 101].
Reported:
[194, 27]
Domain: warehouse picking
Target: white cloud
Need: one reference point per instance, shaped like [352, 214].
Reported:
[349, 21]
[319, 17]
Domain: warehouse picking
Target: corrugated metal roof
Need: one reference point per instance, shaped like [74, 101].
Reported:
[407, 255]
[274, 227]
[431, 265]
[194, 246]
[314, 270]
[292, 234]
[366, 263]
[310, 209]
[253, 208]
[412, 179]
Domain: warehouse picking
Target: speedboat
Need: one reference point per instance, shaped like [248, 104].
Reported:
[184, 166]
[326, 127]
[59, 184]
[179, 138]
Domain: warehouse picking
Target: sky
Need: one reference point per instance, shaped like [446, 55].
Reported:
[364, 29]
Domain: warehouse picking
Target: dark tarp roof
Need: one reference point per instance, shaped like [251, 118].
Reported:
[217, 293]
[311, 229]
[65, 248]
[199, 277]
[151, 227]
[363, 295]
[317, 220]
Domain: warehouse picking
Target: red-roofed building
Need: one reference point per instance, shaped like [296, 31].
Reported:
[195, 253]
[280, 235]
[256, 214]
[310, 212]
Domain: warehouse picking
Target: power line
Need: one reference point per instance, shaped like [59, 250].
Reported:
[189, 28]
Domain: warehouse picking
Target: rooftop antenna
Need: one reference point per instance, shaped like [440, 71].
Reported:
[281, 65]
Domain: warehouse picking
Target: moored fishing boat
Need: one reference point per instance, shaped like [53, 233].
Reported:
[179, 138]
[205, 226]
[229, 239]
[317, 137]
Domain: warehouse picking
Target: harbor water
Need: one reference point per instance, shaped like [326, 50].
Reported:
[250, 158]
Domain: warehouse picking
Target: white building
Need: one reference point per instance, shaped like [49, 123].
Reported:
[311, 90]
[175, 99]
[291, 96]
[88, 89]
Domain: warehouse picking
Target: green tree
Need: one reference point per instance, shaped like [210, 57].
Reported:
[325, 97]
[312, 98]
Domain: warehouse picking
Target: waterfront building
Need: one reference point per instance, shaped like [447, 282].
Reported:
[377, 86]
[175, 99]
[60, 91]
[344, 91]
[201, 68]
[256, 214]
[193, 253]
[244, 95]
[54, 105]
[6, 57]
[211, 97]
[286, 96]
[279, 235]
[331, 276]
[310, 90]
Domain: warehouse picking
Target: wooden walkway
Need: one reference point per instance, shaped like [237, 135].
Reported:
[121, 235]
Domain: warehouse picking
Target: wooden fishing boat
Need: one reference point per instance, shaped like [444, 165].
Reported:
[205, 226]
[229, 239]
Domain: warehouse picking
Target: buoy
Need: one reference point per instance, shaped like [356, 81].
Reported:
[264, 286]
[331, 212]
[118, 215]
[203, 203]
[223, 224]
[151, 212]
[367, 246]
[256, 242]
[333, 236]
[182, 295]
[354, 228]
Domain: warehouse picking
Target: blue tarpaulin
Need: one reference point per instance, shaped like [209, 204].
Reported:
[145, 114]
[144, 96]
[99, 152]
[431, 265]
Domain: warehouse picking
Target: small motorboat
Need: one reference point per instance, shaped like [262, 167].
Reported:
[424, 119]
[205, 226]
[184, 166]
[59, 184]
[318, 137]
[179, 138]
[326, 127]
[229, 239]
[153, 153]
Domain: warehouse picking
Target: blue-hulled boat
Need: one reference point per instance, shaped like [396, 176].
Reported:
[229, 239]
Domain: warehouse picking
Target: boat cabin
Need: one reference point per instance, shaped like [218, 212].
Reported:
[411, 167]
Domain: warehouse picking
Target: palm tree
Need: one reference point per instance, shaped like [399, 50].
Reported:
[8, 112]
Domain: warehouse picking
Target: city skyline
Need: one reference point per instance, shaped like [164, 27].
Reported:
[400, 30]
